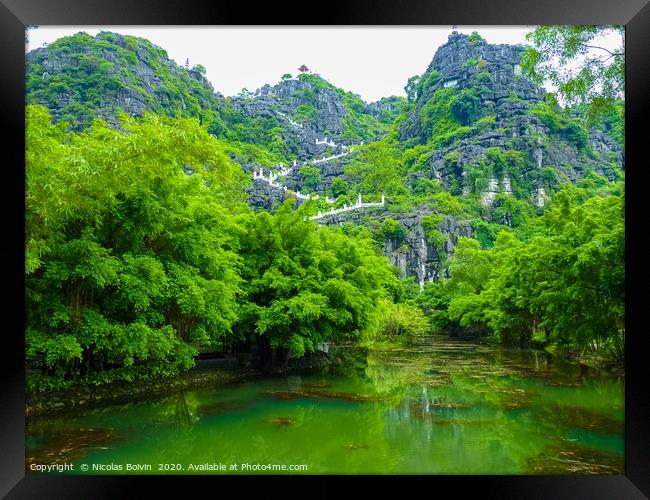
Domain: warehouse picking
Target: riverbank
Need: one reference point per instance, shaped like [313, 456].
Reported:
[595, 361]
[213, 373]
[602, 363]
[207, 373]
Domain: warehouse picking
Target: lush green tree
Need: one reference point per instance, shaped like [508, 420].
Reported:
[565, 285]
[378, 169]
[339, 187]
[403, 320]
[390, 228]
[574, 60]
[131, 248]
[434, 301]
[445, 203]
[582, 298]
[411, 88]
[306, 285]
[426, 188]
[311, 178]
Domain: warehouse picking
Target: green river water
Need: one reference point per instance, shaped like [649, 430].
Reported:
[436, 407]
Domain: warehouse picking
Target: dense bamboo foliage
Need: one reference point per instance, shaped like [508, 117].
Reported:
[139, 249]
[565, 284]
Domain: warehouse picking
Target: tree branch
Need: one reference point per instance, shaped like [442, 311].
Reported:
[550, 268]
[596, 47]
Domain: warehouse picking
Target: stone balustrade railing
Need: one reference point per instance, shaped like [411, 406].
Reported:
[272, 177]
[271, 180]
[295, 124]
[359, 204]
[329, 158]
[327, 142]
[324, 140]
[284, 170]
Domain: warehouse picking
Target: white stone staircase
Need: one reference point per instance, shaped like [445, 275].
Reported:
[272, 178]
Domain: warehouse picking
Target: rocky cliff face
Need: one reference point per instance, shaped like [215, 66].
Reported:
[79, 78]
[500, 108]
[310, 110]
[386, 109]
[497, 65]
[288, 96]
[413, 254]
[416, 256]
[505, 146]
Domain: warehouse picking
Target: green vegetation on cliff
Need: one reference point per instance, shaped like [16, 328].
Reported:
[358, 124]
[79, 75]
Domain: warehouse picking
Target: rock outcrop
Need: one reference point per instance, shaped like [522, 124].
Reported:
[81, 77]
[496, 136]
[414, 255]
[506, 119]
[309, 110]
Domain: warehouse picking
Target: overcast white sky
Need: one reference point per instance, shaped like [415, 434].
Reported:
[373, 62]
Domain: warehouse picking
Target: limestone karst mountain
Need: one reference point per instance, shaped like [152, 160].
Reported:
[79, 78]
[495, 109]
[474, 128]
[82, 77]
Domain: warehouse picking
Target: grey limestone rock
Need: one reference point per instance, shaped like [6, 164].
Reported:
[507, 96]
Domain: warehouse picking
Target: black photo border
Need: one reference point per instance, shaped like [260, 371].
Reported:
[15, 14]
